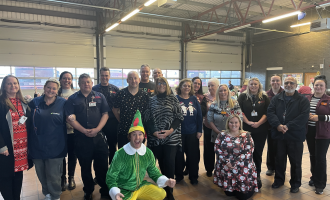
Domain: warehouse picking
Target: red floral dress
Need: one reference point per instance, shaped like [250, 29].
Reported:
[239, 151]
[19, 137]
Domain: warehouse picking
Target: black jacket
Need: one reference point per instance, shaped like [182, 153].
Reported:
[296, 117]
[7, 163]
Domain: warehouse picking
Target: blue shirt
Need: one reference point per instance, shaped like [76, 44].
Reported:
[192, 114]
[109, 93]
[88, 116]
[47, 135]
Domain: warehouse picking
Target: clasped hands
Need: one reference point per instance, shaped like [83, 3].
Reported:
[282, 128]
[163, 133]
[170, 183]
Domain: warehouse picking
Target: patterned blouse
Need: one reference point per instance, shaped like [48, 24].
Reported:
[19, 136]
[219, 115]
[238, 151]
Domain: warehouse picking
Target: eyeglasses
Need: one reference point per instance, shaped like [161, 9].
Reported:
[291, 83]
[161, 84]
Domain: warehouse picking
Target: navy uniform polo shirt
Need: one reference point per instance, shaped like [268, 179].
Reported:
[88, 117]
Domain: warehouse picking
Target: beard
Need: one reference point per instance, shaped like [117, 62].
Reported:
[289, 91]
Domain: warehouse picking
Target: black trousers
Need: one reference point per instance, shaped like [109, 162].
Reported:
[72, 158]
[294, 151]
[209, 155]
[310, 139]
[271, 151]
[110, 131]
[122, 140]
[190, 145]
[10, 187]
[89, 149]
[320, 178]
[166, 159]
[259, 140]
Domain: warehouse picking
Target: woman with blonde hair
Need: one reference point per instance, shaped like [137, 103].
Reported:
[254, 103]
[223, 107]
[165, 114]
[15, 120]
[235, 170]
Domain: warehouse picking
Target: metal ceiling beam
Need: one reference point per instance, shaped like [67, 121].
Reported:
[46, 12]
[194, 3]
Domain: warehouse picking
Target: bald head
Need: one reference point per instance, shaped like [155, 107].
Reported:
[157, 73]
[133, 79]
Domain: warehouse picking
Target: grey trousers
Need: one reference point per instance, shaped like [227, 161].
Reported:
[49, 172]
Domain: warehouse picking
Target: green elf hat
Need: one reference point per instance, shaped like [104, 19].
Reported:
[137, 123]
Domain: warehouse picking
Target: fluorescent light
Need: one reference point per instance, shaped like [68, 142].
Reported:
[111, 27]
[323, 5]
[130, 15]
[303, 24]
[281, 17]
[237, 28]
[148, 3]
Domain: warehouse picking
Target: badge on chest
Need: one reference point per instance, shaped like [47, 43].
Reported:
[92, 103]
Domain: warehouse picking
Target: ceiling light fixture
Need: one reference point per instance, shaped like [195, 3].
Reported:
[297, 25]
[130, 15]
[112, 27]
[281, 17]
[237, 28]
[148, 3]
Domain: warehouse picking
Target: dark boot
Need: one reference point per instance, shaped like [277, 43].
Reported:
[63, 183]
[71, 183]
[259, 181]
[169, 193]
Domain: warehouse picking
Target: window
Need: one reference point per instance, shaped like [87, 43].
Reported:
[89, 71]
[44, 72]
[60, 70]
[116, 73]
[4, 71]
[223, 76]
[23, 71]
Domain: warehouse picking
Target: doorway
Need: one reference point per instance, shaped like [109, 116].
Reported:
[309, 78]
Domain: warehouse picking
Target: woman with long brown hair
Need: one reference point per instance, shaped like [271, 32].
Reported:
[14, 117]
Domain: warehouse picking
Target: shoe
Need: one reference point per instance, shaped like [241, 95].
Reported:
[311, 183]
[208, 174]
[48, 197]
[318, 191]
[178, 179]
[294, 190]
[71, 183]
[63, 183]
[194, 182]
[270, 172]
[185, 172]
[95, 181]
[88, 196]
[276, 185]
[259, 184]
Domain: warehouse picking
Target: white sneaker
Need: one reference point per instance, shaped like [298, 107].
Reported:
[47, 197]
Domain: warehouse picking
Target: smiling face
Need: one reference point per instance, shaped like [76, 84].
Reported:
[186, 88]
[136, 139]
[86, 85]
[275, 81]
[51, 89]
[253, 86]
[223, 93]
[319, 87]
[66, 81]
[105, 77]
[157, 73]
[133, 79]
[145, 73]
[197, 85]
[290, 85]
[12, 86]
[234, 124]
[161, 86]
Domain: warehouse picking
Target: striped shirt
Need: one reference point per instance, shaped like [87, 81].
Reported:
[313, 105]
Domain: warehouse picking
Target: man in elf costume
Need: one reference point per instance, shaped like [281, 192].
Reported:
[129, 166]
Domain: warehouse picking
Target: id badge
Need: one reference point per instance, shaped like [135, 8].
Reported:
[223, 112]
[22, 120]
[92, 104]
[254, 113]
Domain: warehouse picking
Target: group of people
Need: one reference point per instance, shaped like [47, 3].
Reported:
[91, 123]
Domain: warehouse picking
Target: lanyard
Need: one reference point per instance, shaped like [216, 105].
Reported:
[253, 102]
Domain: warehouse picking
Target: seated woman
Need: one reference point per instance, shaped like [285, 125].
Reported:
[235, 171]
[129, 166]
